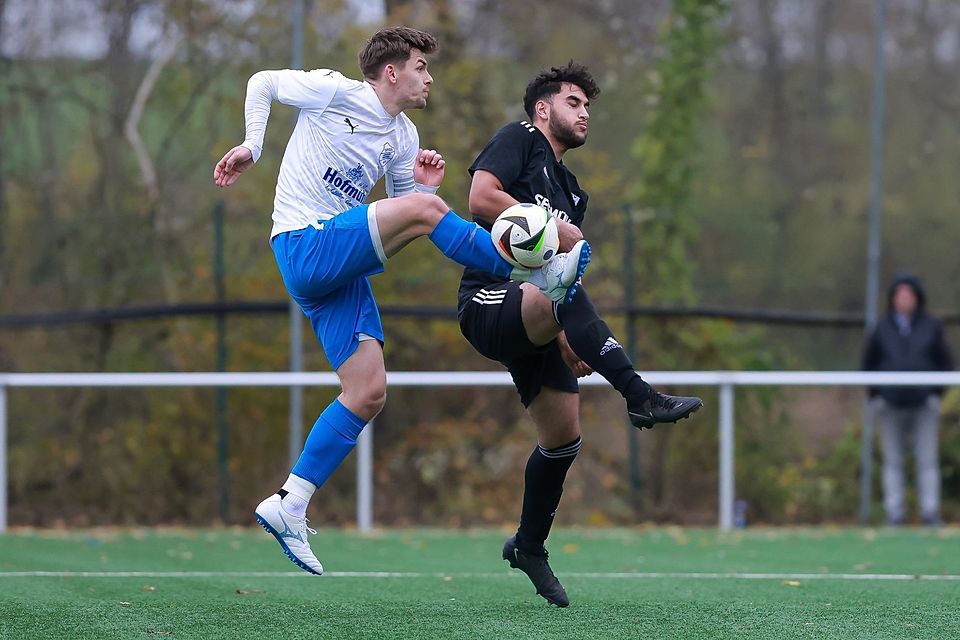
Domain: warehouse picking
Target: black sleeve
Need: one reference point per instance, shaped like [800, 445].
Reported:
[943, 353]
[942, 356]
[871, 358]
[506, 155]
[871, 353]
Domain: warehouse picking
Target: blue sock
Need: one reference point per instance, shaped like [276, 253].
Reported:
[469, 244]
[333, 437]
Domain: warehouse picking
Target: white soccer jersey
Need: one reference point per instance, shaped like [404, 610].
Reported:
[343, 143]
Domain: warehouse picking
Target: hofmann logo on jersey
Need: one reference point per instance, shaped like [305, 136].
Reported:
[351, 185]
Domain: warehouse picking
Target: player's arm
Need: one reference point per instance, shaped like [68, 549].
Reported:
[303, 89]
[496, 169]
[569, 234]
[488, 198]
[262, 90]
[571, 359]
[424, 176]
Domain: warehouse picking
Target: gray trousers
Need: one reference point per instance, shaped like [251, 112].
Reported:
[897, 427]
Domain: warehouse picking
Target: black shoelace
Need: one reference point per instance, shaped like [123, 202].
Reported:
[662, 401]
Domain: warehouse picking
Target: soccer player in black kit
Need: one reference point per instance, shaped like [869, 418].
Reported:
[547, 346]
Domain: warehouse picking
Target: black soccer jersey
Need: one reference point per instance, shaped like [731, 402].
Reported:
[523, 160]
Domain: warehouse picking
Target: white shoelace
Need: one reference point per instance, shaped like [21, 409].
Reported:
[303, 527]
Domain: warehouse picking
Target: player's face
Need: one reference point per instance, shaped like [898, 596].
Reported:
[568, 116]
[413, 81]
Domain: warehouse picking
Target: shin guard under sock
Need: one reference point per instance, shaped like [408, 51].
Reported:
[543, 485]
[469, 244]
[591, 339]
[332, 438]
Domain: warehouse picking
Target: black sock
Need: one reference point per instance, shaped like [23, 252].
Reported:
[591, 339]
[543, 486]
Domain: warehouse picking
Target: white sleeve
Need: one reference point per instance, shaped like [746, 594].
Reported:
[403, 185]
[400, 172]
[425, 188]
[400, 185]
[304, 89]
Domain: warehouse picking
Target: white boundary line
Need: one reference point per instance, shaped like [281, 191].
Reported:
[903, 577]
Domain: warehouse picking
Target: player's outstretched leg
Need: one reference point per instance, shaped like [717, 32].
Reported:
[591, 339]
[538, 570]
[471, 245]
[290, 531]
[395, 222]
[559, 279]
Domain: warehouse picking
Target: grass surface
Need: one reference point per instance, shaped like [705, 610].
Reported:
[814, 583]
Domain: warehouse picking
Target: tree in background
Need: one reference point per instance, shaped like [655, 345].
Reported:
[734, 131]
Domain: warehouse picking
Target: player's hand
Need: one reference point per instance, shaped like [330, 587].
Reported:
[231, 165]
[428, 168]
[572, 360]
[569, 233]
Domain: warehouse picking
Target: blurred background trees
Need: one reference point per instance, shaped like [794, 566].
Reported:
[731, 136]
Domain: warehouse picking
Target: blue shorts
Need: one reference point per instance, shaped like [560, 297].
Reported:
[325, 270]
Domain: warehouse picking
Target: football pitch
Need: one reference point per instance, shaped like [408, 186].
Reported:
[411, 584]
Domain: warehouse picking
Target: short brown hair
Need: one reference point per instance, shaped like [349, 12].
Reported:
[392, 46]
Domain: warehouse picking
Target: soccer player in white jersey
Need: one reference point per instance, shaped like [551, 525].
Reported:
[327, 241]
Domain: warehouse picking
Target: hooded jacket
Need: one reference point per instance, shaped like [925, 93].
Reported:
[922, 348]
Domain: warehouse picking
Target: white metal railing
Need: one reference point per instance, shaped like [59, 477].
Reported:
[724, 380]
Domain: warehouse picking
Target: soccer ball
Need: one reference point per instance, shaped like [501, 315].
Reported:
[526, 235]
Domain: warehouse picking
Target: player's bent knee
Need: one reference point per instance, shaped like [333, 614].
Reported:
[404, 218]
[368, 402]
[426, 207]
[557, 437]
[376, 402]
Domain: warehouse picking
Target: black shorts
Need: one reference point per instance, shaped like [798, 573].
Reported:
[490, 320]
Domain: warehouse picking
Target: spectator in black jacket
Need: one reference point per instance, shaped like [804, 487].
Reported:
[909, 339]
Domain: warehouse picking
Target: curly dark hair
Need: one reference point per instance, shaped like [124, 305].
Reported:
[547, 84]
[392, 46]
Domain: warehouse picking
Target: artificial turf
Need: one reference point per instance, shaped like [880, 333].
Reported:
[636, 583]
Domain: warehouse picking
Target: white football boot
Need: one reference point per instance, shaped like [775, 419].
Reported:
[290, 531]
[559, 278]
